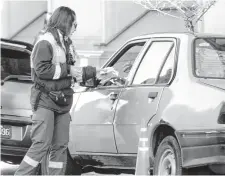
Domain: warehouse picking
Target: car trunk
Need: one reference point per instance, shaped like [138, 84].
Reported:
[15, 78]
[15, 92]
[15, 96]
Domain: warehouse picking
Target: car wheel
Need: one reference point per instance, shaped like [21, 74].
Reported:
[168, 158]
[218, 169]
[72, 167]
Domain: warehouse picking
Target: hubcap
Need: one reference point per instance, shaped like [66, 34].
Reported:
[167, 163]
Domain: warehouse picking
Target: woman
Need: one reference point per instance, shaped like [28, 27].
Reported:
[52, 64]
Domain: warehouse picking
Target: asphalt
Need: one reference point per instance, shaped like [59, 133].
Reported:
[9, 169]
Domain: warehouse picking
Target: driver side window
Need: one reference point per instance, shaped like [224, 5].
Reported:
[123, 63]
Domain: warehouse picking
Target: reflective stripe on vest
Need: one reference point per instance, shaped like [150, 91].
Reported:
[57, 71]
[59, 55]
[53, 164]
[30, 161]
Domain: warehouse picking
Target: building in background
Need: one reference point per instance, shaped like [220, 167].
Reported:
[213, 21]
[103, 25]
[21, 20]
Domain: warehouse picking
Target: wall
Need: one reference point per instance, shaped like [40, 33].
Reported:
[4, 19]
[119, 14]
[214, 19]
[30, 32]
[16, 14]
[151, 23]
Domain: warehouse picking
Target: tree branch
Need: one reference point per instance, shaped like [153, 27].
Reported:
[204, 11]
[190, 13]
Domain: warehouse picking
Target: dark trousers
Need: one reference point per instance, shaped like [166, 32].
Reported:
[50, 130]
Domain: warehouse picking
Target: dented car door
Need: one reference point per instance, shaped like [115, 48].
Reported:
[93, 116]
[140, 99]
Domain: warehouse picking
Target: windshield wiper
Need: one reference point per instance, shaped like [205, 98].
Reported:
[18, 77]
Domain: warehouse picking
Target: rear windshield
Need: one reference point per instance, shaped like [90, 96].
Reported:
[210, 57]
[14, 63]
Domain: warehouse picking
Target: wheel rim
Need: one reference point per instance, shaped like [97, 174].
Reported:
[167, 163]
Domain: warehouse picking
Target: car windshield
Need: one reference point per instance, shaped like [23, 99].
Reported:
[210, 57]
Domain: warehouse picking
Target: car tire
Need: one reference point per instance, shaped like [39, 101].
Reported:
[218, 169]
[72, 167]
[11, 159]
[168, 159]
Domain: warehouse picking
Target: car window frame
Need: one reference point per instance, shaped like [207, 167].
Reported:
[117, 53]
[176, 42]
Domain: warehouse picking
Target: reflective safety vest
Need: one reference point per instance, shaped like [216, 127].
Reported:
[53, 77]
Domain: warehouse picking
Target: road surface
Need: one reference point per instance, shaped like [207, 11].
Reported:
[9, 169]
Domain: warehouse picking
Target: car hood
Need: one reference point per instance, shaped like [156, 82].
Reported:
[16, 45]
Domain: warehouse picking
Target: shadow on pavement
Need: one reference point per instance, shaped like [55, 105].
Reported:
[9, 169]
[111, 171]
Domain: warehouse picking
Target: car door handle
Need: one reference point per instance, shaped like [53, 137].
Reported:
[113, 96]
[152, 95]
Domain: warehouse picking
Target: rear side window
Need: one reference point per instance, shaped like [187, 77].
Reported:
[210, 57]
[14, 63]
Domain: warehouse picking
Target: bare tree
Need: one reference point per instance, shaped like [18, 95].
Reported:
[191, 11]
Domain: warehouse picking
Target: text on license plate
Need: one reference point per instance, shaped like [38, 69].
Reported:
[6, 131]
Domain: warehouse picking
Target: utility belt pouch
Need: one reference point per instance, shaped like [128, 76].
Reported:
[61, 98]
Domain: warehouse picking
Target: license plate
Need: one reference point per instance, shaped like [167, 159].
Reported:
[6, 131]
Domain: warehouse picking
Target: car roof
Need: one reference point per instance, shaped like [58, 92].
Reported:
[16, 43]
[177, 35]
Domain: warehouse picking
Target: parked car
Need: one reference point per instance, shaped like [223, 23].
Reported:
[173, 82]
[15, 105]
